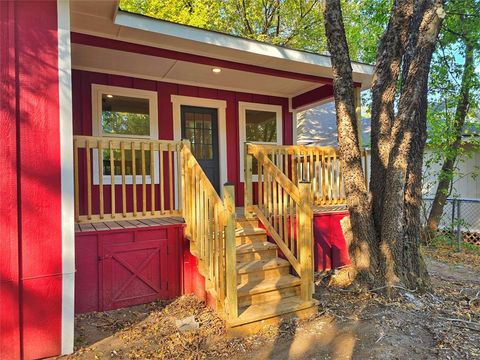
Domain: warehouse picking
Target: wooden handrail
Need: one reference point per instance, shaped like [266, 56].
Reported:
[281, 204]
[98, 201]
[319, 165]
[210, 227]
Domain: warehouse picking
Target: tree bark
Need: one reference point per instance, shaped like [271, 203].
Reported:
[401, 209]
[362, 248]
[385, 246]
[387, 70]
[446, 174]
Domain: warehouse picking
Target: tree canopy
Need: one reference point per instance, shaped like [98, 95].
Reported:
[293, 23]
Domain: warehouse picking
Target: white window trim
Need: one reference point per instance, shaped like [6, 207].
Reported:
[221, 106]
[97, 129]
[242, 108]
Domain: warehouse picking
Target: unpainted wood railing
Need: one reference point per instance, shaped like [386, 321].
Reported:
[140, 183]
[318, 165]
[285, 210]
[210, 226]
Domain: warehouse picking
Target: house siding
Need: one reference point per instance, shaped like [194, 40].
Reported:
[30, 185]
[82, 111]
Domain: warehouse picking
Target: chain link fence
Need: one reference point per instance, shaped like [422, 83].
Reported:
[460, 219]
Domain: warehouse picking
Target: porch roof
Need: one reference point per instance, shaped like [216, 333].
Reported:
[156, 49]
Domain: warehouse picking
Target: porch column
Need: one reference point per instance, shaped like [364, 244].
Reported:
[36, 187]
[358, 113]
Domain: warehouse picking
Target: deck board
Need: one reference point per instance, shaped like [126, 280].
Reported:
[128, 224]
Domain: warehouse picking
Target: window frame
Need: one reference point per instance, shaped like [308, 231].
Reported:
[242, 119]
[97, 129]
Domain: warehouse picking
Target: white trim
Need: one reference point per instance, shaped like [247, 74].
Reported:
[242, 107]
[217, 39]
[295, 127]
[97, 130]
[221, 106]
[66, 173]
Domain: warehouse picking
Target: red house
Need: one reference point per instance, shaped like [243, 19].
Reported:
[103, 205]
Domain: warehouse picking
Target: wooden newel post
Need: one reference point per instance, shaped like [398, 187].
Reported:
[305, 239]
[231, 305]
[248, 190]
[183, 201]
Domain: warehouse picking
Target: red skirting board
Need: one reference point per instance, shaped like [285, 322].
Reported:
[330, 248]
[193, 281]
[119, 268]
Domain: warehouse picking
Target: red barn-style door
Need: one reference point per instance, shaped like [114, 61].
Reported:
[133, 273]
[126, 267]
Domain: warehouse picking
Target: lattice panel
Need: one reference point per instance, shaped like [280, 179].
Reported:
[471, 237]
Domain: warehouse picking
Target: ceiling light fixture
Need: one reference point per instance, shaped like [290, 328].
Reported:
[109, 96]
[217, 70]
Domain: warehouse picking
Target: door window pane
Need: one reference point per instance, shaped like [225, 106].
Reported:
[124, 115]
[198, 129]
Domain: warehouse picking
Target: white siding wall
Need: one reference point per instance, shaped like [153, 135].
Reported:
[465, 185]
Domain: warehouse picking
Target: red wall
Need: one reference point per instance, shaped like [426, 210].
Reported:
[330, 248]
[82, 111]
[30, 193]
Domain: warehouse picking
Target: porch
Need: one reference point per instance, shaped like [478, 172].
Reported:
[253, 264]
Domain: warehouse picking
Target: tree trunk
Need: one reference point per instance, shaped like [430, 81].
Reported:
[386, 237]
[387, 69]
[362, 249]
[446, 174]
[401, 208]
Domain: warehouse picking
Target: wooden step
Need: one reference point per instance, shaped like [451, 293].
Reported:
[246, 223]
[262, 269]
[250, 235]
[252, 318]
[260, 291]
[256, 251]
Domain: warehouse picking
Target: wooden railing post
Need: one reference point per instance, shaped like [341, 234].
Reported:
[305, 239]
[182, 201]
[248, 190]
[231, 305]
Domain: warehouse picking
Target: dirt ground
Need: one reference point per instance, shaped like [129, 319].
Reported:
[443, 324]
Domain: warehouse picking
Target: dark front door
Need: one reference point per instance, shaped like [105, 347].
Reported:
[200, 126]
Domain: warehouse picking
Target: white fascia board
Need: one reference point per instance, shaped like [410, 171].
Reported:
[185, 32]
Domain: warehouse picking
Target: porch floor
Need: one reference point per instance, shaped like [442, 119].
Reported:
[128, 224]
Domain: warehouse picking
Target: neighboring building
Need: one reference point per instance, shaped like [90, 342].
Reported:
[318, 125]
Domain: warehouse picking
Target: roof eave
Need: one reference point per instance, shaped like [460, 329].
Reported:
[185, 32]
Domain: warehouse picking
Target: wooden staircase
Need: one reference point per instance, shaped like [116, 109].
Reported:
[267, 291]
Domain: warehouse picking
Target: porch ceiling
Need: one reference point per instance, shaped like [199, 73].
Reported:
[156, 68]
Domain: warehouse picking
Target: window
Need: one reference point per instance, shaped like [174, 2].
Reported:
[125, 113]
[261, 124]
